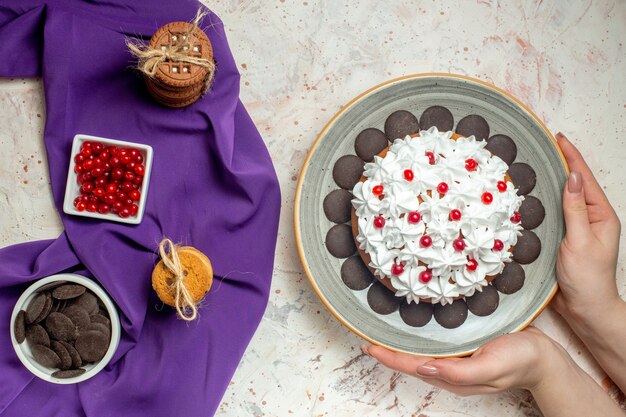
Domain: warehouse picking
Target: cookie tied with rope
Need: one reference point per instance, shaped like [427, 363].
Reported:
[182, 278]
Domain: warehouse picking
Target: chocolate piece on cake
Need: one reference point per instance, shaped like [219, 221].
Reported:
[528, 248]
[523, 177]
[381, 300]
[339, 241]
[452, 315]
[437, 116]
[355, 274]
[484, 302]
[370, 142]
[473, 125]
[401, 123]
[337, 206]
[503, 147]
[511, 279]
[416, 315]
[532, 212]
[347, 171]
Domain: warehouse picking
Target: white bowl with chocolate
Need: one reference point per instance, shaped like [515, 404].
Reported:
[65, 328]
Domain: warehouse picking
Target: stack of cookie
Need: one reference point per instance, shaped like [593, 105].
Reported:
[176, 83]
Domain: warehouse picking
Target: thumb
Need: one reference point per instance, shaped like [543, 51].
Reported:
[575, 208]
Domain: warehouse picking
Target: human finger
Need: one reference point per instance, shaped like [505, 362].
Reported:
[575, 209]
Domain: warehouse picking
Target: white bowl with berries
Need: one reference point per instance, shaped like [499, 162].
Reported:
[108, 179]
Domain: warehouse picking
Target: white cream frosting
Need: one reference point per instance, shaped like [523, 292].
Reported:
[398, 241]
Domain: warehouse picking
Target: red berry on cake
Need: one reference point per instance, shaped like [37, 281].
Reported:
[455, 215]
[379, 222]
[442, 188]
[425, 276]
[458, 244]
[426, 241]
[377, 190]
[431, 157]
[471, 265]
[414, 217]
[486, 198]
[516, 217]
[501, 186]
[408, 175]
[471, 164]
[498, 245]
[397, 269]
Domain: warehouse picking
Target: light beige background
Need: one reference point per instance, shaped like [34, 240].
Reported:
[300, 61]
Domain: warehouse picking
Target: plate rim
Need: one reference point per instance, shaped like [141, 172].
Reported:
[305, 166]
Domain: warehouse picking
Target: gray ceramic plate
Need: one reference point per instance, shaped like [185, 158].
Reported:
[462, 96]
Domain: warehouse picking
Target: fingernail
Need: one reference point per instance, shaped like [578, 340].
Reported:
[575, 182]
[365, 350]
[427, 370]
[560, 135]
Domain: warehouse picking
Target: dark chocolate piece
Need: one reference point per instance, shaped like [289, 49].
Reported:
[370, 142]
[416, 315]
[437, 116]
[37, 335]
[484, 302]
[78, 315]
[50, 286]
[19, 326]
[337, 206]
[35, 307]
[503, 147]
[63, 354]
[46, 309]
[70, 373]
[452, 315]
[98, 318]
[527, 248]
[76, 359]
[523, 177]
[339, 241]
[401, 123]
[99, 327]
[473, 124]
[348, 171]
[381, 299]
[92, 345]
[87, 302]
[60, 327]
[67, 291]
[45, 356]
[355, 274]
[532, 212]
[511, 279]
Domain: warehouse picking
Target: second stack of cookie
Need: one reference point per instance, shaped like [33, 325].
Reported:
[179, 84]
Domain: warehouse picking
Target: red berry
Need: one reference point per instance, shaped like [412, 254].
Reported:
[129, 176]
[471, 164]
[113, 150]
[81, 206]
[77, 200]
[431, 157]
[99, 192]
[408, 175]
[498, 245]
[127, 186]
[131, 166]
[116, 207]
[133, 154]
[78, 169]
[97, 147]
[92, 199]
[458, 244]
[104, 208]
[79, 158]
[379, 222]
[127, 202]
[426, 241]
[125, 159]
[414, 217]
[139, 159]
[86, 152]
[117, 173]
[109, 199]
[140, 170]
[88, 165]
[87, 187]
[377, 190]
[98, 162]
[122, 152]
[516, 217]
[86, 145]
[111, 189]
[115, 161]
[105, 155]
[100, 182]
[124, 212]
[471, 265]
[442, 188]
[455, 215]
[486, 198]
[92, 207]
[501, 186]
[137, 180]
[120, 196]
[97, 172]
[134, 209]
[425, 276]
[397, 269]
[135, 195]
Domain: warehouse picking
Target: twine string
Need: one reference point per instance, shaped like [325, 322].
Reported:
[185, 306]
[150, 58]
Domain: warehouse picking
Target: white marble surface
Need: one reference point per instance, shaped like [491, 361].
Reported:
[300, 62]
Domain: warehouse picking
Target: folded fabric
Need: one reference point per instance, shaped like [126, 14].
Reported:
[213, 186]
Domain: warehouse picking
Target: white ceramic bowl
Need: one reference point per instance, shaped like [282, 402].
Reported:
[23, 350]
[72, 188]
